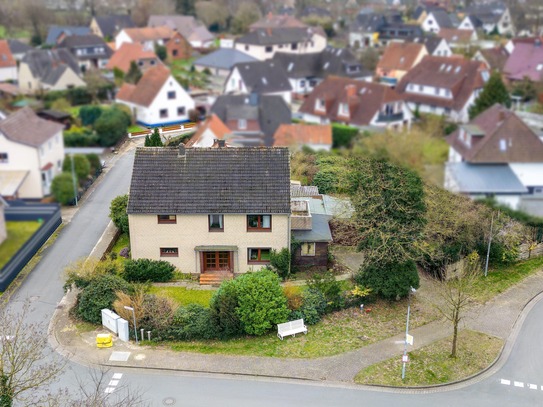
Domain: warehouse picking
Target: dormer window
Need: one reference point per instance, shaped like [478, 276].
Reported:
[320, 105]
[294, 46]
[343, 109]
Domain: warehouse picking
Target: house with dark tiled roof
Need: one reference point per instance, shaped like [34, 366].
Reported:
[305, 71]
[495, 58]
[458, 38]
[211, 212]
[193, 31]
[43, 69]
[526, 60]
[271, 20]
[18, 49]
[438, 47]
[364, 30]
[495, 155]
[220, 62]
[355, 103]
[297, 135]
[57, 32]
[253, 119]
[397, 60]
[127, 53]
[31, 154]
[8, 64]
[262, 77]
[109, 26]
[437, 19]
[209, 131]
[90, 51]
[492, 17]
[444, 86]
[157, 99]
[263, 43]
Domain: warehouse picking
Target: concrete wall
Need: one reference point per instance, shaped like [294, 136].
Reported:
[147, 237]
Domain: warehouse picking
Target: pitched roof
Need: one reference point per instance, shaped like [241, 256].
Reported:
[113, 23]
[263, 76]
[368, 22]
[442, 18]
[460, 76]
[224, 58]
[488, 178]
[25, 127]
[272, 36]
[166, 180]
[6, 57]
[56, 30]
[214, 124]
[319, 232]
[496, 57]
[149, 33]
[18, 47]
[400, 56]
[50, 65]
[488, 13]
[365, 99]
[147, 88]
[277, 21]
[431, 43]
[525, 60]
[127, 53]
[269, 110]
[191, 29]
[455, 35]
[502, 138]
[303, 134]
[99, 48]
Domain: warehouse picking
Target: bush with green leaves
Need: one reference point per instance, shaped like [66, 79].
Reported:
[81, 166]
[111, 126]
[99, 294]
[143, 270]
[191, 323]
[89, 114]
[62, 188]
[342, 135]
[389, 280]
[117, 213]
[95, 163]
[158, 313]
[280, 262]
[261, 301]
[313, 306]
[330, 288]
[80, 137]
[223, 307]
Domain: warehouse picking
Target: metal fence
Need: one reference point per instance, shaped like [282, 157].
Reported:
[49, 214]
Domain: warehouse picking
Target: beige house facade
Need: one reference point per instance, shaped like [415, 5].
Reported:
[3, 230]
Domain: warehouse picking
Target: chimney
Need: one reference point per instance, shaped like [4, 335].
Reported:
[181, 150]
[350, 90]
[220, 143]
[501, 116]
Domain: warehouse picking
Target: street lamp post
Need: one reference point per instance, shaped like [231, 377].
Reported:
[74, 179]
[134, 317]
[404, 359]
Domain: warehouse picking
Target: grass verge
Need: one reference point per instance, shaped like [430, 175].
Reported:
[18, 234]
[337, 333]
[182, 295]
[433, 364]
[501, 278]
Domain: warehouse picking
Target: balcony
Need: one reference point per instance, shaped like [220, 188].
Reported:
[387, 118]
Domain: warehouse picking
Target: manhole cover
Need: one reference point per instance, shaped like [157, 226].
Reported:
[168, 401]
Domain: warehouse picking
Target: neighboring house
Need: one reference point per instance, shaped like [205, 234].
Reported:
[109, 26]
[221, 61]
[253, 119]
[136, 52]
[364, 31]
[526, 60]
[399, 32]
[149, 37]
[397, 60]
[263, 43]
[57, 32]
[209, 131]
[49, 70]
[355, 103]
[444, 86]
[178, 47]
[495, 58]
[458, 38]
[307, 70]
[470, 22]
[495, 155]
[18, 49]
[494, 17]
[90, 51]
[510, 46]
[3, 231]
[261, 77]
[271, 20]
[438, 47]
[8, 64]
[318, 137]
[157, 99]
[315, 12]
[436, 20]
[195, 32]
[31, 153]
[210, 211]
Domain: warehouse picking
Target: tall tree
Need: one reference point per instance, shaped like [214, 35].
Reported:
[134, 73]
[185, 7]
[493, 92]
[246, 14]
[154, 140]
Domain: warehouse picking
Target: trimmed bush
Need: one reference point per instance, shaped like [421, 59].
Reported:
[223, 307]
[62, 188]
[192, 322]
[89, 114]
[389, 280]
[99, 294]
[343, 136]
[313, 306]
[117, 213]
[82, 166]
[79, 137]
[142, 270]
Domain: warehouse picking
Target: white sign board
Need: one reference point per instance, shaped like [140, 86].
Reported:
[405, 358]
[109, 320]
[409, 339]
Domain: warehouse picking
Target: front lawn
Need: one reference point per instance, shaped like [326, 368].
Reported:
[18, 234]
[337, 333]
[134, 128]
[432, 364]
[183, 296]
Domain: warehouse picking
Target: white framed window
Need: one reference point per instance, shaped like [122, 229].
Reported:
[343, 109]
[320, 105]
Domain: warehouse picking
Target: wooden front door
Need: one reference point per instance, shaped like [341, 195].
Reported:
[216, 261]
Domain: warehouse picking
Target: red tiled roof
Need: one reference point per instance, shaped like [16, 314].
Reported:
[215, 125]
[453, 35]
[525, 60]
[6, 57]
[127, 53]
[47, 166]
[400, 56]
[496, 57]
[302, 134]
[149, 33]
[147, 88]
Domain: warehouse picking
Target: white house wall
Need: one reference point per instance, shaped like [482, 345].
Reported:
[27, 82]
[259, 52]
[121, 38]
[8, 74]
[234, 83]
[442, 50]
[430, 24]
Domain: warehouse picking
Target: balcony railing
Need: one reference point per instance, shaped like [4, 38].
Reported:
[387, 118]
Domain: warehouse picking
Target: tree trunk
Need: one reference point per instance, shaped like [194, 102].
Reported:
[455, 338]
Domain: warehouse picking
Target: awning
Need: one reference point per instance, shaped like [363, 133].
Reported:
[47, 166]
[11, 181]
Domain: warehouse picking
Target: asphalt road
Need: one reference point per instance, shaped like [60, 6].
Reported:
[44, 288]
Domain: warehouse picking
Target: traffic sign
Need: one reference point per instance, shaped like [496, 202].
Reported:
[405, 358]
[409, 339]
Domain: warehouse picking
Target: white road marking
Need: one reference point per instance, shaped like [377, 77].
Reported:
[532, 386]
[117, 376]
[109, 390]
[519, 384]
[506, 382]
[113, 383]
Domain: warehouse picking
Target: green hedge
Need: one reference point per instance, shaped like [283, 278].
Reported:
[342, 135]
